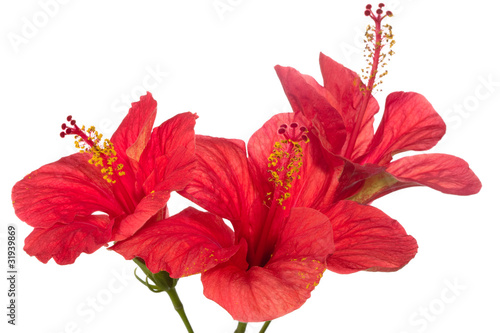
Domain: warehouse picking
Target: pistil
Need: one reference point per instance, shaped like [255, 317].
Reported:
[103, 156]
[376, 39]
[284, 164]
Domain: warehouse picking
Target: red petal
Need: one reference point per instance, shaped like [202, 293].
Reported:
[184, 244]
[344, 87]
[59, 191]
[318, 185]
[222, 183]
[134, 131]
[168, 159]
[445, 173]
[367, 239]
[147, 207]
[285, 282]
[65, 242]
[307, 96]
[409, 123]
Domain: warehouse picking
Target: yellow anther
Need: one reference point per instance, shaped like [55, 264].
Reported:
[285, 162]
[109, 170]
[112, 160]
[103, 153]
[377, 38]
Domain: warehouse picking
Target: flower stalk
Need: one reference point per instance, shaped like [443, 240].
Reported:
[163, 282]
[265, 326]
[241, 327]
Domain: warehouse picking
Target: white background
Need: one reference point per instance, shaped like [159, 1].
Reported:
[88, 57]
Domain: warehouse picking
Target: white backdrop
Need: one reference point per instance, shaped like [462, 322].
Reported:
[216, 57]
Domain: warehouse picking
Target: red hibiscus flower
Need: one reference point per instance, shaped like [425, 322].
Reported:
[341, 114]
[279, 202]
[110, 189]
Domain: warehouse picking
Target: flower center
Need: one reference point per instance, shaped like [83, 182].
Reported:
[90, 141]
[377, 37]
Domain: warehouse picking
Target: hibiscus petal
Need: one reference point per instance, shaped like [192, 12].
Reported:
[367, 239]
[318, 185]
[132, 135]
[307, 96]
[168, 159]
[147, 207]
[345, 87]
[59, 191]
[445, 173]
[184, 244]
[285, 282]
[409, 123]
[65, 242]
[222, 183]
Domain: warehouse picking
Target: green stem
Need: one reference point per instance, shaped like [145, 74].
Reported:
[172, 293]
[163, 282]
[265, 326]
[241, 328]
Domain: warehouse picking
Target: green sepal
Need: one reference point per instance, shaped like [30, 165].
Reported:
[150, 286]
[162, 280]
